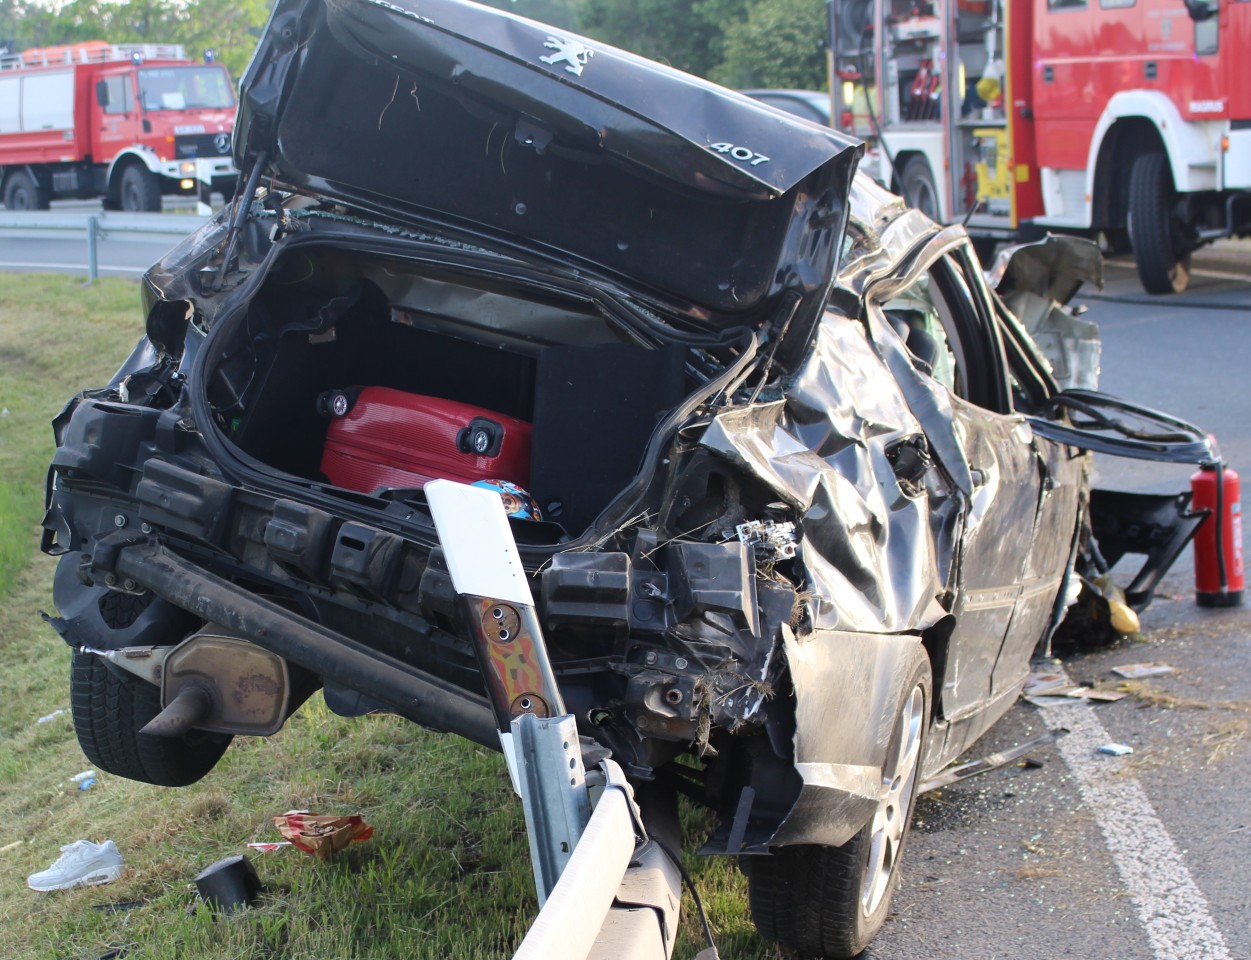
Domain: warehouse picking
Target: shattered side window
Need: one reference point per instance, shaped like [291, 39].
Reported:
[917, 315]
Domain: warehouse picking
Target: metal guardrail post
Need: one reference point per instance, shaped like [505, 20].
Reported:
[93, 257]
[553, 793]
[582, 859]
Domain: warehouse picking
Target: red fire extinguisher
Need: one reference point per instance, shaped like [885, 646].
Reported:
[1218, 542]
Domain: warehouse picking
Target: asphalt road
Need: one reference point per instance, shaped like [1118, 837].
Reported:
[1086, 856]
[1092, 856]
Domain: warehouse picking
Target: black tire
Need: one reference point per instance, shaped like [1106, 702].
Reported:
[830, 902]
[1157, 234]
[140, 190]
[111, 706]
[23, 192]
[916, 185]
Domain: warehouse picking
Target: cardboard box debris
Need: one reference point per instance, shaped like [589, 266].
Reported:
[323, 836]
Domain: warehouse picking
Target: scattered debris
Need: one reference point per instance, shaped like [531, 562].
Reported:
[87, 784]
[1053, 689]
[1115, 749]
[229, 884]
[272, 846]
[82, 863]
[322, 835]
[995, 761]
[11, 846]
[85, 775]
[1136, 671]
[51, 716]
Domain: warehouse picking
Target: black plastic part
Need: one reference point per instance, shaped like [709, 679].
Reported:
[481, 438]
[175, 498]
[229, 884]
[1156, 525]
[587, 588]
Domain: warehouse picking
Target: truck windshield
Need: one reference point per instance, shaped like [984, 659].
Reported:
[185, 88]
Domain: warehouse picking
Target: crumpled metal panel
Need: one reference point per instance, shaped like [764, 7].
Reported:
[868, 548]
[1036, 280]
[847, 686]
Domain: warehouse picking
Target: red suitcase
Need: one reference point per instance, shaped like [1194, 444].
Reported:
[379, 438]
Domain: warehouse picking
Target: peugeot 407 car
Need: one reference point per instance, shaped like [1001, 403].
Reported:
[796, 495]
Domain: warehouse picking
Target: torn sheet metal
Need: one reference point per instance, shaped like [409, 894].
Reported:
[868, 547]
[1035, 281]
[846, 688]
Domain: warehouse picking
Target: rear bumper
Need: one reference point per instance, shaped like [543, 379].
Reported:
[409, 691]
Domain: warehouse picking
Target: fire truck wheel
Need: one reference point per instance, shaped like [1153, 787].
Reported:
[1156, 233]
[140, 191]
[916, 183]
[23, 193]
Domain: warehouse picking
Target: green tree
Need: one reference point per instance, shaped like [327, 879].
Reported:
[558, 13]
[686, 34]
[228, 27]
[780, 43]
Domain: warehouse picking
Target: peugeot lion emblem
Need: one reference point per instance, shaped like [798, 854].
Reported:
[569, 52]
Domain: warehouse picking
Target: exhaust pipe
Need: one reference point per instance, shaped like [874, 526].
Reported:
[409, 691]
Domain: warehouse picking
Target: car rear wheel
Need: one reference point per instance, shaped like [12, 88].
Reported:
[22, 192]
[111, 706]
[1156, 233]
[829, 902]
[141, 193]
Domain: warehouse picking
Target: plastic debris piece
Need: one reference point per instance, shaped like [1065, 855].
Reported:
[82, 863]
[1115, 749]
[323, 836]
[229, 884]
[87, 784]
[271, 847]
[51, 716]
[85, 775]
[770, 540]
[1053, 701]
[1056, 690]
[1136, 671]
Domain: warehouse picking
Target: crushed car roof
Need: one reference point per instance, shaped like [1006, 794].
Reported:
[481, 119]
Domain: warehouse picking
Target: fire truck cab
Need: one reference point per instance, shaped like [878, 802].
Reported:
[128, 123]
[1129, 120]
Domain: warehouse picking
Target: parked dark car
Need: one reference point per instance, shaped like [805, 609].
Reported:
[797, 495]
[809, 104]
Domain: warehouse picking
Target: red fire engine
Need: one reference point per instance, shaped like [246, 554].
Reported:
[1129, 119]
[128, 123]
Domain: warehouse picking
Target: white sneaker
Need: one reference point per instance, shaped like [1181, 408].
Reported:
[81, 863]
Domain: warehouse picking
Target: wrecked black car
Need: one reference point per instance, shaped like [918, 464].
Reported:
[796, 495]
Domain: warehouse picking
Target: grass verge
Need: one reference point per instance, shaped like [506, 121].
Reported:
[447, 874]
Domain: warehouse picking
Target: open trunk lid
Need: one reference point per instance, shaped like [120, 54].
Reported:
[471, 117]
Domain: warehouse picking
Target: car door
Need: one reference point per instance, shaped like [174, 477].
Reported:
[1012, 548]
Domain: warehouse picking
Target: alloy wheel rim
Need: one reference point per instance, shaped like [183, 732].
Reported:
[890, 820]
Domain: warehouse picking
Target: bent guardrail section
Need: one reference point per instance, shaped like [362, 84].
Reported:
[618, 896]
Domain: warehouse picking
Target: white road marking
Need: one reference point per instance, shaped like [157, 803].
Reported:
[37, 265]
[1170, 905]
